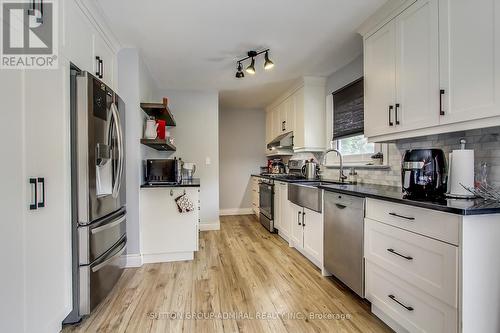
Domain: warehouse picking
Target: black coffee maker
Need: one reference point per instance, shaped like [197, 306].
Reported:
[423, 173]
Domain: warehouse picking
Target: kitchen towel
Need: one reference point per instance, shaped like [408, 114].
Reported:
[461, 166]
[184, 204]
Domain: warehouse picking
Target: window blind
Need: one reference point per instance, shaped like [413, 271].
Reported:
[348, 110]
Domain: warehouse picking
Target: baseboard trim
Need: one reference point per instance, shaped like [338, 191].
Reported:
[236, 211]
[209, 226]
[131, 260]
[167, 257]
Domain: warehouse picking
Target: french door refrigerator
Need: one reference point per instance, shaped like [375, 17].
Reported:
[98, 190]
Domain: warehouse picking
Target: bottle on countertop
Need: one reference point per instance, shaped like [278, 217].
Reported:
[353, 176]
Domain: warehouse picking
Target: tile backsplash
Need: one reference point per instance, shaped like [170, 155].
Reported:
[485, 142]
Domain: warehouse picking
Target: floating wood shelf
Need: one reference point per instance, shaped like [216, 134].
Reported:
[159, 111]
[159, 144]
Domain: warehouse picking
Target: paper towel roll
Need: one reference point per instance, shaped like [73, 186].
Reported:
[461, 171]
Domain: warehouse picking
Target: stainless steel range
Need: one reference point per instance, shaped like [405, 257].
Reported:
[266, 203]
[98, 191]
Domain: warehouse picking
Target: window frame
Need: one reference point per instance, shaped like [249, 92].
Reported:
[359, 158]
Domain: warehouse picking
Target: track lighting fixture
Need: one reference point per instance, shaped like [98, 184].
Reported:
[268, 64]
[251, 68]
[239, 72]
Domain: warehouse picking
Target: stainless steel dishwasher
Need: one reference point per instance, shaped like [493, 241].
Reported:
[343, 239]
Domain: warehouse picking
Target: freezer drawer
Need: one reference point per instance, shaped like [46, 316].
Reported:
[98, 279]
[97, 238]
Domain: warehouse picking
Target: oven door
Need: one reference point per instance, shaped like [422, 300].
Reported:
[266, 199]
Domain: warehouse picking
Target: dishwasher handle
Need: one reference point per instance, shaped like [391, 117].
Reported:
[340, 206]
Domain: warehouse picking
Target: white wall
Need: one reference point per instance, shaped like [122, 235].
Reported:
[135, 85]
[197, 139]
[241, 146]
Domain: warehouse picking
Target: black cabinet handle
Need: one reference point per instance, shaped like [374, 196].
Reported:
[396, 113]
[399, 254]
[303, 219]
[409, 308]
[41, 181]
[403, 217]
[98, 67]
[441, 111]
[101, 69]
[390, 116]
[298, 219]
[33, 205]
[283, 126]
[40, 19]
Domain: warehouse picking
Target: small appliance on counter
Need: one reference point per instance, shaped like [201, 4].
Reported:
[277, 166]
[150, 132]
[162, 171]
[310, 169]
[189, 170]
[461, 172]
[161, 129]
[423, 173]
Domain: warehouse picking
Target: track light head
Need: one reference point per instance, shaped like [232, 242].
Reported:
[268, 63]
[251, 68]
[239, 72]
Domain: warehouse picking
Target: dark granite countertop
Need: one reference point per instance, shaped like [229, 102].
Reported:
[394, 194]
[184, 183]
[285, 180]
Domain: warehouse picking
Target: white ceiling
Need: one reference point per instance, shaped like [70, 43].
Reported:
[193, 44]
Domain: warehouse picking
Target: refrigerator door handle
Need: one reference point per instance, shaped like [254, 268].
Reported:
[117, 124]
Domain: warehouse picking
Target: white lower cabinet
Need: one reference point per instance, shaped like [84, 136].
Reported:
[429, 264]
[307, 232]
[412, 308]
[281, 210]
[255, 196]
[167, 234]
[411, 278]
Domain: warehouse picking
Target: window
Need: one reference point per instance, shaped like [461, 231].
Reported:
[348, 126]
[355, 145]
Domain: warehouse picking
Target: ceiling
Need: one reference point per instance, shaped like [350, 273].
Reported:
[193, 44]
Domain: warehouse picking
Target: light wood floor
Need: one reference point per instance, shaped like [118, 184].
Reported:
[241, 274]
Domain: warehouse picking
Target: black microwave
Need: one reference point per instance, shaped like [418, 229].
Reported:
[162, 171]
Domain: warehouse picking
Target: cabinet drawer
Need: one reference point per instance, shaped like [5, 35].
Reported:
[426, 263]
[408, 306]
[431, 223]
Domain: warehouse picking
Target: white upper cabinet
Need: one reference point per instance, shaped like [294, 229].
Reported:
[104, 60]
[380, 81]
[470, 59]
[77, 37]
[269, 126]
[430, 69]
[83, 43]
[402, 73]
[301, 111]
[417, 70]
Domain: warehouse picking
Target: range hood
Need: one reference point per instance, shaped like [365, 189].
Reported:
[281, 145]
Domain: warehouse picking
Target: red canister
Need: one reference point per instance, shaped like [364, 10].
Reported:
[160, 130]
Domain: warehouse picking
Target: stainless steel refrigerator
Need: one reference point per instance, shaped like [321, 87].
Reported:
[98, 191]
